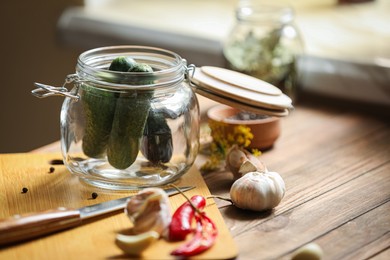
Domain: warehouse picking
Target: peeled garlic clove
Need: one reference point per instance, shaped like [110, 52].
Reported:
[258, 191]
[259, 165]
[251, 166]
[234, 159]
[135, 245]
[311, 251]
[237, 157]
[246, 167]
[149, 210]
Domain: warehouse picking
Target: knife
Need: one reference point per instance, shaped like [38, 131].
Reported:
[24, 227]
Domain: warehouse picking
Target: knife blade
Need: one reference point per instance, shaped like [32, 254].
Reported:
[32, 225]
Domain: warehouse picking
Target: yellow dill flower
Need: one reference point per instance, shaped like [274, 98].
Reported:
[240, 140]
[256, 152]
[230, 138]
[240, 135]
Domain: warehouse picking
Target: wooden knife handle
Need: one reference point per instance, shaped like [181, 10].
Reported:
[24, 227]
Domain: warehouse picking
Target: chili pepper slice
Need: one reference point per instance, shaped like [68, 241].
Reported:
[181, 224]
[205, 235]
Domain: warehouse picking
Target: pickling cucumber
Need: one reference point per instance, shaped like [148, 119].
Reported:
[99, 107]
[115, 121]
[123, 64]
[131, 112]
[157, 145]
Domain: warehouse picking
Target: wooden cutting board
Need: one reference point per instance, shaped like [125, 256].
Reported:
[95, 239]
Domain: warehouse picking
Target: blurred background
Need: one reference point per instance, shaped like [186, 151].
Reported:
[346, 49]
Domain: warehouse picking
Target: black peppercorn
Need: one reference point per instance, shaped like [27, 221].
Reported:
[56, 162]
[94, 195]
[24, 190]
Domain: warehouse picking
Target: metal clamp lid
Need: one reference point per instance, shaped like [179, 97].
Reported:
[43, 91]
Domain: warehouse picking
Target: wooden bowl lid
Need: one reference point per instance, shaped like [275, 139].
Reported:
[241, 80]
[240, 90]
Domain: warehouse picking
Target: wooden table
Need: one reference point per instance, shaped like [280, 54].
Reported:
[336, 166]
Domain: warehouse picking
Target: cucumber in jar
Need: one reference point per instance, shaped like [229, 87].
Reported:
[157, 145]
[99, 107]
[122, 64]
[128, 125]
[131, 112]
[115, 120]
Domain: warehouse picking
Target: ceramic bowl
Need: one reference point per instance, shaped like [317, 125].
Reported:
[265, 130]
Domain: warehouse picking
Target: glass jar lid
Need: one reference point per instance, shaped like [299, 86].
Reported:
[168, 67]
[261, 12]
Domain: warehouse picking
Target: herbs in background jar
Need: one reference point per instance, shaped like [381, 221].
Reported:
[264, 57]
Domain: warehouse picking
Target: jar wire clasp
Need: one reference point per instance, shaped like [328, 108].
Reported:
[43, 90]
[190, 70]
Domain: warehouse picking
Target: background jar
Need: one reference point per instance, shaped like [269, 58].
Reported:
[126, 130]
[265, 43]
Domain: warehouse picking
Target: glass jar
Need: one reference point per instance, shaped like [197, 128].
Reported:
[265, 43]
[126, 130]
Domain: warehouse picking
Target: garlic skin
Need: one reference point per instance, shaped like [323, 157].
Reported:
[258, 191]
[239, 161]
[149, 210]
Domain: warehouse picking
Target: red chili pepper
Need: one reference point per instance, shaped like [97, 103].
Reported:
[181, 224]
[205, 235]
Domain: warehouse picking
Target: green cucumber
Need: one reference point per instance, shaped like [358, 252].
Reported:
[123, 64]
[157, 145]
[115, 122]
[140, 67]
[131, 112]
[99, 108]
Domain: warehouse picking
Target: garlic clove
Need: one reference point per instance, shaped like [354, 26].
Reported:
[239, 161]
[135, 245]
[234, 159]
[251, 166]
[246, 167]
[259, 165]
[311, 251]
[149, 210]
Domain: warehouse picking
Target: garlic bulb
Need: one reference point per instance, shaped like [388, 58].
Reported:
[149, 211]
[258, 191]
[239, 161]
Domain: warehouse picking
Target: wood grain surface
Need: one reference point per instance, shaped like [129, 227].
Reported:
[335, 160]
[336, 165]
[94, 239]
